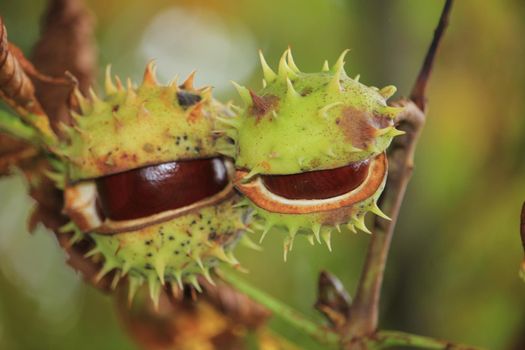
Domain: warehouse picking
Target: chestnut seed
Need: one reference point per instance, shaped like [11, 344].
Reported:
[154, 189]
[319, 184]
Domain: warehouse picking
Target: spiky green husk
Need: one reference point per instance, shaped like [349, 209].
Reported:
[310, 121]
[316, 226]
[174, 251]
[134, 127]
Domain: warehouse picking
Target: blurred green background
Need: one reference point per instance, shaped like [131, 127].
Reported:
[453, 269]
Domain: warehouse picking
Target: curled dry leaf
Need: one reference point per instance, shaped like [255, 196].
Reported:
[65, 45]
[16, 89]
[333, 300]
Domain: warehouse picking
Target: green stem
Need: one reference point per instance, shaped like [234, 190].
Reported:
[384, 339]
[281, 310]
[17, 128]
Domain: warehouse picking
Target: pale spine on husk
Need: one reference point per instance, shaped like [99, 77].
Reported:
[135, 127]
[310, 121]
[139, 126]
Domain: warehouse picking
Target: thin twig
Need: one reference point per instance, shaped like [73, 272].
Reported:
[364, 312]
[418, 94]
[522, 226]
[522, 232]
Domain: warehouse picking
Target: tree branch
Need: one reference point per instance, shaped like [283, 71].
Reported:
[522, 232]
[364, 311]
[418, 94]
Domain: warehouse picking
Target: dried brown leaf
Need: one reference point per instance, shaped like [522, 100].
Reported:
[16, 89]
[66, 45]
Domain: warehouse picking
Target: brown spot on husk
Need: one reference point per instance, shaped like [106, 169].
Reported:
[262, 105]
[357, 127]
[337, 216]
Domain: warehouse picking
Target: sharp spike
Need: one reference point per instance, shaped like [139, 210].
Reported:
[160, 268]
[103, 271]
[374, 208]
[108, 82]
[252, 173]
[335, 86]
[133, 285]
[232, 259]
[388, 91]
[351, 228]
[195, 283]
[357, 78]
[391, 112]
[286, 247]
[188, 83]
[70, 226]
[233, 122]
[311, 239]
[244, 202]
[92, 252]
[284, 70]
[330, 153]
[178, 278]
[264, 84]
[323, 112]
[339, 66]
[316, 228]
[258, 103]
[120, 86]
[126, 267]
[83, 103]
[327, 236]
[236, 109]
[395, 132]
[198, 260]
[274, 114]
[76, 237]
[360, 224]
[267, 229]
[338, 228]
[244, 93]
[154, 290]
[77, 118]
[291, 62]
[249, 243]
[206, 274]
[269, 74]
[130, 93]
[219, 253]
[292, 232]
[150, 74]
[351, 148]
[326, 67]
[291, 94]
[173, 83]
[116, 280]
